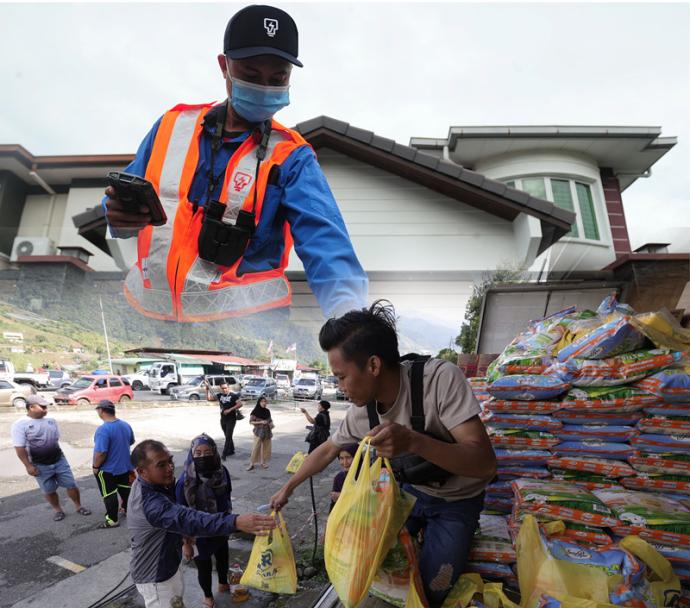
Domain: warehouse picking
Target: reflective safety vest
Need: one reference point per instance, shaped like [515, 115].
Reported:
[169, 280]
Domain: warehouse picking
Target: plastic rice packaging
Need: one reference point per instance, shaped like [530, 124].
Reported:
[492, 551]
[492, 571]
[606, 418]
[500, 488]
[499, 504]
[671, 384]
[664, 425]
[674, 554]
[589, 481]
[598, 466]
[616, 337]
[523, 407]
[674, 411]
[514, 472]
[528, 387]
[522, 457]
[658, 482]
[582, 432]
[564, 501]
[516, 438]
[622, 369]
[525, 421]
[594, 448]
[518, 362]
[664, 462]
[493, 527]
[608, 399]
[654, 517]
[662, 443]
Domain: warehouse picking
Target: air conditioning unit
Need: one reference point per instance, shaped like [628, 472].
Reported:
[31, 245]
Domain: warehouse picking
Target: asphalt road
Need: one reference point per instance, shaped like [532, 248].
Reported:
[37, 552]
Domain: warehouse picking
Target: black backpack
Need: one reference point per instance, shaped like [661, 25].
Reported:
[411, 468]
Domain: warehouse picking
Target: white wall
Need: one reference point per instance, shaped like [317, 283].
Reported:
[38, 219]
[398, 225]
[568, 254]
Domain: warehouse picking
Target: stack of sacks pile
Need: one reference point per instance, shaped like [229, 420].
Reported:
[585, 403]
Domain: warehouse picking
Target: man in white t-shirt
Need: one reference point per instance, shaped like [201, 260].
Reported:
[36, 440]
[451, 453]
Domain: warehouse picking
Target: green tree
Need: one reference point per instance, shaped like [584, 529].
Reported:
[316, 364]
[448, 354]
[467, 339]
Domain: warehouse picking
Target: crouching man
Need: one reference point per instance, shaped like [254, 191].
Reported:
[448, 458]
[157, 524]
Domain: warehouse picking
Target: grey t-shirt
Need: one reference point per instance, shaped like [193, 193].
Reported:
[448, 402]
[40, 437]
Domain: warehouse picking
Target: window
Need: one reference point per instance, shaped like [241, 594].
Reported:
[567, 194]
[4, 384]
[115, 382]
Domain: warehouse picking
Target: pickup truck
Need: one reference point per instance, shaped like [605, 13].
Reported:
[7, 372]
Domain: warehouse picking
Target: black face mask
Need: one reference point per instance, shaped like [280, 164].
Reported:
[206, 465]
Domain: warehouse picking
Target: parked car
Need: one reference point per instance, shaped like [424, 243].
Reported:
[140, 380]
[92, 389]
[330, 382]
[260, 387]
[15, 394]
[247, 377]
[196, 388]
[340, 394]
[59, 378]
[307, 388]
[282, 381]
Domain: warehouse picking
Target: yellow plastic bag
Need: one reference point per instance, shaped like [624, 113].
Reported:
[663, 329]
[363, 525]
[271, 565]
[661, 586]
[295, 462]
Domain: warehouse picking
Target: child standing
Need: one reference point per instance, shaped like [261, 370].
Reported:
[345, 458]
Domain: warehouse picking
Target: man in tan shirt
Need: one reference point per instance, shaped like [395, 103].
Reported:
[362, 349]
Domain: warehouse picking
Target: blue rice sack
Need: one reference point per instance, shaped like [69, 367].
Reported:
[531, 458]
[676, 444]
[528, 387]
[672, 384]
[594, 448]
[584, 432]
[613, 338]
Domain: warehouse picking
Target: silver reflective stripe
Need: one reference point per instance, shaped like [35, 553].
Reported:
[242, 178]
[152, 300]
[235, 299]
[171, 173]
[158, 298]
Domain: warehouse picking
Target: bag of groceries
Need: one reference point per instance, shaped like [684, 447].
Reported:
[295, 462]
[271, 565]
[363, 525]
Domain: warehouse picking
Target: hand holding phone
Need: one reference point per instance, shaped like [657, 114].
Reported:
[132, 202]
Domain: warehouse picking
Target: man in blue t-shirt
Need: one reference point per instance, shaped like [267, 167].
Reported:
[111, 461]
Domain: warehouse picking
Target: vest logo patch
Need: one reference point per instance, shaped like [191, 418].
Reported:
[241, 180]
[271, 26]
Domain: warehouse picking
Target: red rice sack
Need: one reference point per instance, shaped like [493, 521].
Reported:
[664, 426]
[564, 501]
[672, 384]
[654, 517]
[679, 444]
[607, 418]
[622, 369]
[516, 472]
[674, 411]
[528, 387]
[583, 432]
[492, 551]
[613, 338]
[525, 421]
[523, 407]
[666, 463]
[573, 532]
[518, 438]
[589, 481]
[594, 448]
[608, 399]
[598, 466]
[658, 482]
[522, 457]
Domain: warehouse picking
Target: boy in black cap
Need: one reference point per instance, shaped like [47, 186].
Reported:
[111, 461]
[256, 186]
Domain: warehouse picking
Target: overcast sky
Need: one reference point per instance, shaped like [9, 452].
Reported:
[92, 78]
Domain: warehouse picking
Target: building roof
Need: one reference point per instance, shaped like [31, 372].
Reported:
[448, 178]
[629, 151]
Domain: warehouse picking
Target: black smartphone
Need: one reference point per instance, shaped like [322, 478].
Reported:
[134, 191]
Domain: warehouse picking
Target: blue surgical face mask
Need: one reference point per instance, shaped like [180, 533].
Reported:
[257, 103]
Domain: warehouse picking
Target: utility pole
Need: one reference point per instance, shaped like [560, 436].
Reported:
[105, 334]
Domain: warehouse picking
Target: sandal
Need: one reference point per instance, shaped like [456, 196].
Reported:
[209, 602]
[104, 524]
[59, 516]
[250, 467]
[223, 588]
[83, 511]
[265, 466]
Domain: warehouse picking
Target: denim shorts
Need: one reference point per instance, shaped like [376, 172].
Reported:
[52, 476]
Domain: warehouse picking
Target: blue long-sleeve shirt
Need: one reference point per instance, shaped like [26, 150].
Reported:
[303, 198]
[156, 525]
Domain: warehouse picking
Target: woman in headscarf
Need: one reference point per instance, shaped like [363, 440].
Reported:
[205, 485]
[321, 430]
[260, 419]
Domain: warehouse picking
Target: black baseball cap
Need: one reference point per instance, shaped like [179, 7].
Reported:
[106, 406]
[261, 30]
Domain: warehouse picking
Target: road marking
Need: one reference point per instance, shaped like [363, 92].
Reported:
[65, 563]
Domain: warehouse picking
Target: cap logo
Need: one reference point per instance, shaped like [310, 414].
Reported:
[271, 26]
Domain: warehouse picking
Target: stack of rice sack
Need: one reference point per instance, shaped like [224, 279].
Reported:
[584, 403]
[492, 554]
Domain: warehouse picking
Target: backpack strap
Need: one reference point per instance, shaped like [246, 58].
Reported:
[373, 415]
[417, 389]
